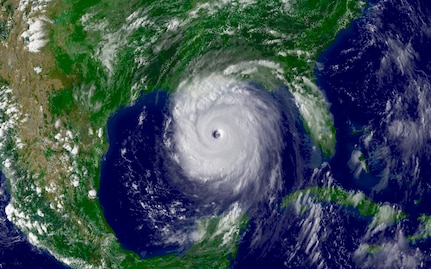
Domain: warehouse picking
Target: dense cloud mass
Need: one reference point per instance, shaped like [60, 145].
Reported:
[227, 135]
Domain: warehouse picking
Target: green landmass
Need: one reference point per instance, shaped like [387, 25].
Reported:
[102, 55]
[380, 213]
[424, 231]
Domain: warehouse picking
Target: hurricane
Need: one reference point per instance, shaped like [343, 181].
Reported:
[226, 135]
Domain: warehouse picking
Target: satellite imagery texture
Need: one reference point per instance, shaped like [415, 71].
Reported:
[215, 134]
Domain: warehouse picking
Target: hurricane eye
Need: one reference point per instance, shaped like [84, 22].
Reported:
[216, 134]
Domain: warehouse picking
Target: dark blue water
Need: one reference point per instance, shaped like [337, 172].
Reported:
[136, 177]
[140, 184]
[359, 91]
[358, 95]
[15, 250]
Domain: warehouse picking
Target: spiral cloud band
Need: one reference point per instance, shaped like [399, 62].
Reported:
[226, 135]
